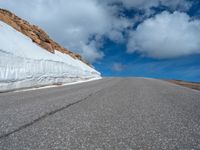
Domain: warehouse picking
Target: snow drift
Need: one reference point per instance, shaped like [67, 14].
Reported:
[24, 64]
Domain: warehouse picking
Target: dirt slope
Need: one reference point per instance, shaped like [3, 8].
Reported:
[35, 33]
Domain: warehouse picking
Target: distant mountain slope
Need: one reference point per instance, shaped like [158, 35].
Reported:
[24, 64]
[192, 85]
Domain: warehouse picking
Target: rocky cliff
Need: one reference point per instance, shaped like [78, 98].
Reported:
[37, 35]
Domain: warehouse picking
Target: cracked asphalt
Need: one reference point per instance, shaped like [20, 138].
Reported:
[112, 113]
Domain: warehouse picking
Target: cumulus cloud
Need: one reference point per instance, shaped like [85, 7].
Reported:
[72, 23]
[69, 22]
[82, 25]
[166, 36]
[147, 4]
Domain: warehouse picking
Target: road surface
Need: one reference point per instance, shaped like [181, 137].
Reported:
[112, 113]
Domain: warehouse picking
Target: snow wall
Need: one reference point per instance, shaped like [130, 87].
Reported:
[23, 64]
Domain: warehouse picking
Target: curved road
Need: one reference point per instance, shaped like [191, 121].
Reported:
[112, 113]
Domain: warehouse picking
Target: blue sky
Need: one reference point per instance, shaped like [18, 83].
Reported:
[117, 62]
[145, 38]
[125, 65]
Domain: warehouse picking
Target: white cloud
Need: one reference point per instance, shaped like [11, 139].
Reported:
[146, 4]
[90, 51]
[72, 23]
[117, 67]
[81, 25]
[166, 36]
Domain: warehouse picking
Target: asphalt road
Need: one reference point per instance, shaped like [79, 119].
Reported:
[112, 113]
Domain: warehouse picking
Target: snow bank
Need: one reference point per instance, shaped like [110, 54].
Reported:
[24, 64]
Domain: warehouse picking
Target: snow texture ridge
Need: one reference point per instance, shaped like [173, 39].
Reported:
[24, 64]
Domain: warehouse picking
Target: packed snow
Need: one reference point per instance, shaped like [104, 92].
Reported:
[23, 64]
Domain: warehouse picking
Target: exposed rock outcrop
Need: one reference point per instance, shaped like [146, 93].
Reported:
[35, 33]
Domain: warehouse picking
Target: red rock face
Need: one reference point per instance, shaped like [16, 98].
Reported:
[37, 35]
